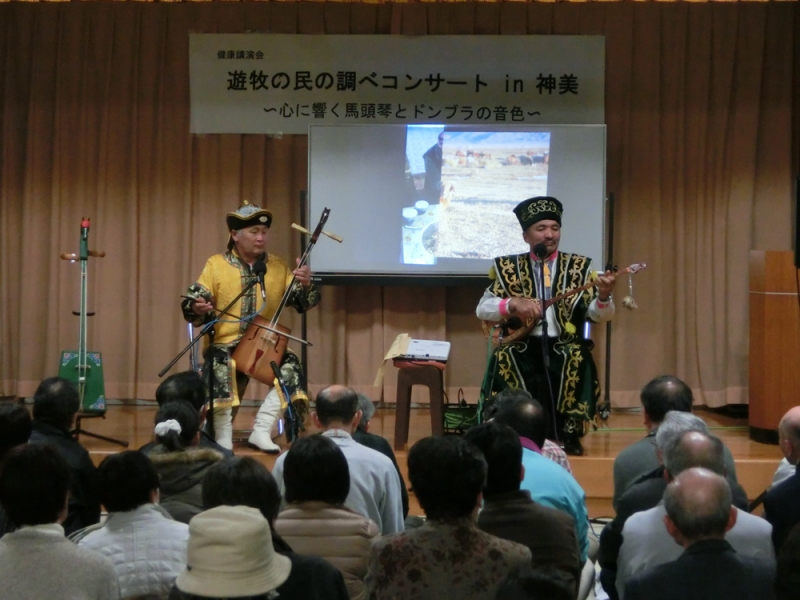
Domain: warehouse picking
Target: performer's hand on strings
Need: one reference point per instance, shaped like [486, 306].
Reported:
[605, 285]
[303, 274]
[525, 308]
[201, 306]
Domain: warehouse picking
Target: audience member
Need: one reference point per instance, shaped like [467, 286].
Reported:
[647, 543]
[243, 481]
[660, 396]
[448, 556]
[55, 405]
[549, 449]
[548, 484]
[180, 462]
[15, 430]
[146, 546]
[699, 512]
[538, 584]
[230, 555]
[376, 442]
[510, 513]
[648, 492]
[188, 386]
[37, 561]
[787, 579]
[374, 483]
[316, 522]
[781, 505]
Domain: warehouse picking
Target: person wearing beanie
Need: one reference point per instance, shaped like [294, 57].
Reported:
[568, 387]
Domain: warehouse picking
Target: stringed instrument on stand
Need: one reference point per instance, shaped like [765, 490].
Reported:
[265, 341]
[84, 368]
[491, 328]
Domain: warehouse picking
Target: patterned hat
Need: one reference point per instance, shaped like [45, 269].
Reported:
[247, 215]
[537, 209]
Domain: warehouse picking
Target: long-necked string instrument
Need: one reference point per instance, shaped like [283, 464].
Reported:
[94, 400]
[266, 341]
[490, 328]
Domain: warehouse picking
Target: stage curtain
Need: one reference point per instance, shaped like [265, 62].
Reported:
[94, 121]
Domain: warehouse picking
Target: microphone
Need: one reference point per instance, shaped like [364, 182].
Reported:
[277, 371]
[259, 270]
[514, 323]
[540, 250]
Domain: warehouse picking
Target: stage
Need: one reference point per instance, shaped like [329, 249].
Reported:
[755, 462]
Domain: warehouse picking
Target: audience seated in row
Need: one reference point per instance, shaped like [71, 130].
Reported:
[549, 449]
[187, 386]
[699, 512]
[510, 513]
[145, 545]
[15, 430]
[660, 396]
[316, 522]
[547, 482]
[448, 556]
[648, 492]
[55, 406]
[37, 561]
[374, 483]
[647, 543]
[180, 461]
[787, 579]
[245, 482]
[230, 555]
[782, 502]
[363, 436]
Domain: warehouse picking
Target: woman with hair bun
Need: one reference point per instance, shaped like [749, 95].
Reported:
[181, 463]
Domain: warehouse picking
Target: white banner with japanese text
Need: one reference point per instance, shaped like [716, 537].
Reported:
[265, 83]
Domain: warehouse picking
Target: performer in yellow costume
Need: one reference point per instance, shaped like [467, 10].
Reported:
[223, 278]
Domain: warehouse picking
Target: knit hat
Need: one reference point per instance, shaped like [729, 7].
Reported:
[230, 554]
[537, 209]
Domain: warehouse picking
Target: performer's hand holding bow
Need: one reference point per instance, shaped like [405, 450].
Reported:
[201, 306]
[525, 309]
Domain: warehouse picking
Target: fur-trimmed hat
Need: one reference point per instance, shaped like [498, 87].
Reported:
[247, 215]
[537, 209]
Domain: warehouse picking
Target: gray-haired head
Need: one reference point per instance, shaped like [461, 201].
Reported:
[699, 504]
[674, 425]
[367, 408]
[695, 449]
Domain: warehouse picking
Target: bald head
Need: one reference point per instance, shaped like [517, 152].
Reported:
[698, 504]
[695, 449]
[337, 405]
[789, 432]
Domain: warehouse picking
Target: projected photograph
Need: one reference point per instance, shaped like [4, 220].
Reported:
[465, 185]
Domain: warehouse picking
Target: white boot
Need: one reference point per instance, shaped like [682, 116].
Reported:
[267, 414]
[223, 427]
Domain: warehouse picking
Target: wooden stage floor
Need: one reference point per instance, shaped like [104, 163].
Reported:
[755, 463]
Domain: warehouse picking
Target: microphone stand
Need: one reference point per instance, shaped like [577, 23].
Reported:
[546, 351]
[206, 328]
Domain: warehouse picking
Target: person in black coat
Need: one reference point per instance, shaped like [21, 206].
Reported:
[782, 502]
[55, 405]
[699, 512]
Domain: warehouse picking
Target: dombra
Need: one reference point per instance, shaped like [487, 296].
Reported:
[520, 330]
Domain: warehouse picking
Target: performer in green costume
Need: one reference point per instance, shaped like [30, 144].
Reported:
[515, 292]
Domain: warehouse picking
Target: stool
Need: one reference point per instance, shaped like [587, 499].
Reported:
[409, 375]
